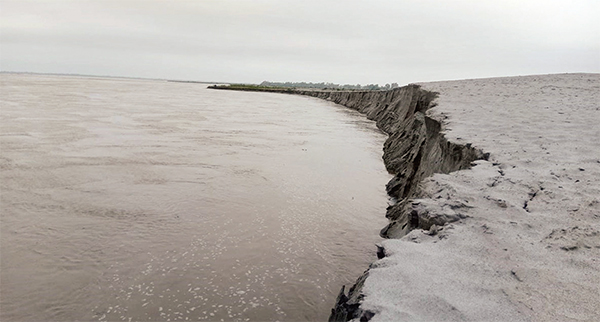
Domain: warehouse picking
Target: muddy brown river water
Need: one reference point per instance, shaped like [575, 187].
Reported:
[146, 200]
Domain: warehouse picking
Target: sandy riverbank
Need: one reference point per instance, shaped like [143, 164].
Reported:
[528, 248]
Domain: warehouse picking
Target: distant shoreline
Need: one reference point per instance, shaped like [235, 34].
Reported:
[111, 77]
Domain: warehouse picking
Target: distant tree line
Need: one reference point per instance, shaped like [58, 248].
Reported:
[324, 85]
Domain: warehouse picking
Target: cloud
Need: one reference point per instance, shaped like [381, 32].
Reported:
[345, 42]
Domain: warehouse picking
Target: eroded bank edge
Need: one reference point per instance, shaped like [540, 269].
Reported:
[415, 149]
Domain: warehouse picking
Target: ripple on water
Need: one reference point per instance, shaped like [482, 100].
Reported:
[135, 200]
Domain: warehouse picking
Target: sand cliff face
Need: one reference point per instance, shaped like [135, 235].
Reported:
[415, 149]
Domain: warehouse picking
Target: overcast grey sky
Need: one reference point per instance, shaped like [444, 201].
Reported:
[346, 41]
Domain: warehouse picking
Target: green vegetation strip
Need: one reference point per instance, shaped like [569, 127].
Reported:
[254, 88]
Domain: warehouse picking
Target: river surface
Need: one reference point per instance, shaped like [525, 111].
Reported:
[147, 200]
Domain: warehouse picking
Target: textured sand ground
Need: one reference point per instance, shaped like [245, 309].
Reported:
[529, 247]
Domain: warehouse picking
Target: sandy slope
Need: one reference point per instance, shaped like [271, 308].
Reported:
[529, 248]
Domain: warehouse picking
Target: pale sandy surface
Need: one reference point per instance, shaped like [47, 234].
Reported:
[529, 249]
